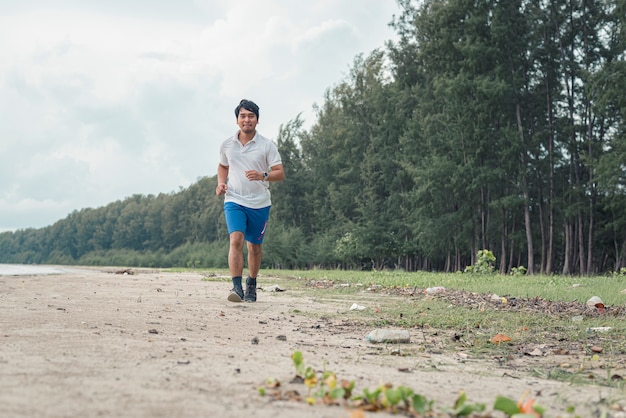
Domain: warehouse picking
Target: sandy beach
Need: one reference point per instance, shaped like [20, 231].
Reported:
[89, 342]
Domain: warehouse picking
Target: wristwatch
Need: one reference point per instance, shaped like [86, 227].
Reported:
[265, 176]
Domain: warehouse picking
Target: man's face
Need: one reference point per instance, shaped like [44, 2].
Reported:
[247, 121]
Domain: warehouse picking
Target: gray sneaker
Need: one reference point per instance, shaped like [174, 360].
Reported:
[236, 295]
[250, 295]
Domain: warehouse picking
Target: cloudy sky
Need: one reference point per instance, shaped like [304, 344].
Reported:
[100, 100]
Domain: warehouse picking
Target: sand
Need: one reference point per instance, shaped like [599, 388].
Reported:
[94, 343]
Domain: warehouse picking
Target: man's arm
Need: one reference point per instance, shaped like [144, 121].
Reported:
[277, 173]
[222, 175]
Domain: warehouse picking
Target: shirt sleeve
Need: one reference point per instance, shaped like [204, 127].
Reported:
[223, 156]
[273, 157]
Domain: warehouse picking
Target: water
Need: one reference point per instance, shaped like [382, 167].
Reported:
[28, 270]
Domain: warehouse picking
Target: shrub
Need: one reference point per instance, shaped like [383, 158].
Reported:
[485, 261]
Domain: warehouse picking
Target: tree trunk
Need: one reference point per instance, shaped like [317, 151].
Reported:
[590, 237]
[542, 228]
[511, 250]
[591, 197]
[483, 218]
[581, 245]
[550, 249]
[503, 239]
[529, 236]
[529, 232]
[568, 249]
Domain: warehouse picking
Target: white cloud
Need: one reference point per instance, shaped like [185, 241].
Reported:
[102, 100]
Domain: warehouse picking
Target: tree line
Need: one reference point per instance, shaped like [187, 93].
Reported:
[483, 125]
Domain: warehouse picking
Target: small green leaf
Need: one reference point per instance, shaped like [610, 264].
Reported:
[394, 396]
[406, 392]
[467, 410]
[336, 393]
[421, 405]
[506, 405]
[297, 358]
[460, 401]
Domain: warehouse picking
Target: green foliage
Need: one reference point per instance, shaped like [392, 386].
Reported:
[554, 287]
[462, 408]
[348, 248]
[518, 271]
[397, 400]
[620, 273]
[321, 385]
[521, 409]
[484, 263]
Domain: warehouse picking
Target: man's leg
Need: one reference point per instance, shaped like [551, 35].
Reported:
[255, 255]
[235, 254]
[235, 265]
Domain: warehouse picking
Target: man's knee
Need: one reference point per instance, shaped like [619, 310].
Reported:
[255, 249]
[236, 239]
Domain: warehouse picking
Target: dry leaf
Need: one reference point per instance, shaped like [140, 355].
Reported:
[527, 408]
[357, 414]
[500, 338]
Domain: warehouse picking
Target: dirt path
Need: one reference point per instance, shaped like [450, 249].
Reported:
[90, 343]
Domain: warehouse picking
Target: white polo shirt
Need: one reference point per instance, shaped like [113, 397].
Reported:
[258, 154]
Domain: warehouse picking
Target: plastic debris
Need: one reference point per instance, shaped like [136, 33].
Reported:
[356, 307]
[389, 336]
[272, 288]
[435, 290]
[600, 329]
[593, 301]
[597, 303]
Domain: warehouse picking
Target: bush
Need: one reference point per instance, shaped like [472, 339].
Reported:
[485, 261]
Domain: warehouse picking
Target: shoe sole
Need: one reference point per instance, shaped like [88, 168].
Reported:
[234, 297]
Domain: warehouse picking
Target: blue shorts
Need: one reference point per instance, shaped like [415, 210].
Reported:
[252, 222]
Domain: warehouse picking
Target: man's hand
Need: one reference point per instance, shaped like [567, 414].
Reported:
[254, 175]
[221, 189]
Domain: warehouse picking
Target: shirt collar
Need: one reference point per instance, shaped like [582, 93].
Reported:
[236, 137]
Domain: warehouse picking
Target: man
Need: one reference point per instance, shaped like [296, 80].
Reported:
[248, 163]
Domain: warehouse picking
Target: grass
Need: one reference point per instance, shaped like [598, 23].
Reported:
[392, 308]
[469, 320]
[556, 288]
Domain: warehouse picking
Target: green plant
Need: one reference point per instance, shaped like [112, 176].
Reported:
[399, 399]
[620, 273]
[518, 271]
[484, 263]
[325, 387]
[524, 408]
[462, 408]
